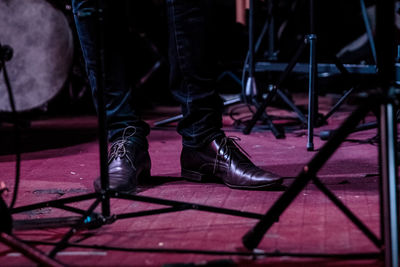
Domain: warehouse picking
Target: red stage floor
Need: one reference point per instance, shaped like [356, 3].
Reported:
[60, 160]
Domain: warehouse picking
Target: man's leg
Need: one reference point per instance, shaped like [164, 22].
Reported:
[206, 150]
[128, 157]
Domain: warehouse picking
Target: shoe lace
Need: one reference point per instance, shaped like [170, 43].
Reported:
[118, 148]
[227, 150]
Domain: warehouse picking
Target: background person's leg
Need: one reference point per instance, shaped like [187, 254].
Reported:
[193, 71]
[120, 109]
[128, 157]
[206, 151]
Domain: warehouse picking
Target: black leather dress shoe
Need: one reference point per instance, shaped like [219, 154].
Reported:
[127, 163]
[224, 159]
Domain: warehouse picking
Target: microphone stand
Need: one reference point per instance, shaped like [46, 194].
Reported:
[89, 218]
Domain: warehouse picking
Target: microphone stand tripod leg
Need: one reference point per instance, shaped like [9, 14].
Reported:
[389, 184]
[312, 94]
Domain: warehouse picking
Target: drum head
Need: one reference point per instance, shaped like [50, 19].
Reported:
[42, 41]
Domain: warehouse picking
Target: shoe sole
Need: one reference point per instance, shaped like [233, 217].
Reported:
[143, 175]
[201, 177]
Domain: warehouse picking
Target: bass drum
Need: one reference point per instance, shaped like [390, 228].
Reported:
[42, 41]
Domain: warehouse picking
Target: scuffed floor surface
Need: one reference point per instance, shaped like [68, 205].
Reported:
[60, 160]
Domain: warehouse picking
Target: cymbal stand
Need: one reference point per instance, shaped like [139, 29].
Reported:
[250, 92]
[312, 70]
[310, 40]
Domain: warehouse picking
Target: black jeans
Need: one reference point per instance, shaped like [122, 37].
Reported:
[192, 71]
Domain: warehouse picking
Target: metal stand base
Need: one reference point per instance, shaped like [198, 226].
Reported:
[312, 68]
[310, 40]
[389, 241]
[89, 219]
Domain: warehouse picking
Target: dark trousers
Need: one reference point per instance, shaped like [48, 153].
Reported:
[192, 69]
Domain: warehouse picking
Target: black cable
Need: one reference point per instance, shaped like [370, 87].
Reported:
[238, 120]
[16, 130]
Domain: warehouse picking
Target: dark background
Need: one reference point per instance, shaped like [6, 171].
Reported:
[337, 24]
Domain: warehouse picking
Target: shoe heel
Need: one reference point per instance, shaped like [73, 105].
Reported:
[191, 175]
